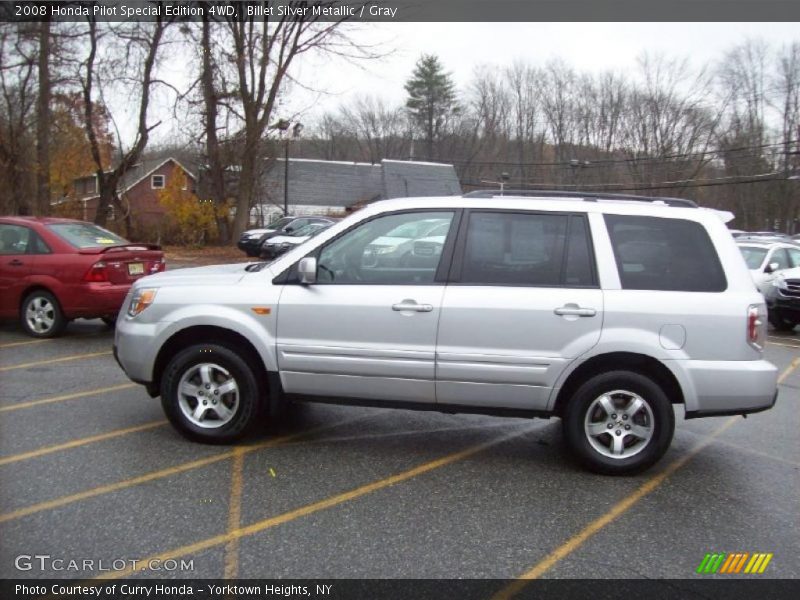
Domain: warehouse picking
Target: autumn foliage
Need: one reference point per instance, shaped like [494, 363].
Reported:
[189, 219]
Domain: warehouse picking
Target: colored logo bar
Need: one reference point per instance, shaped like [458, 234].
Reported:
[731, 563]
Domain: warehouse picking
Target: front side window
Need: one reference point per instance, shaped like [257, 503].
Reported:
[393, 249]
[654, 253]
[526, 250]
[85, 235]
[794, 257]
[779, 258]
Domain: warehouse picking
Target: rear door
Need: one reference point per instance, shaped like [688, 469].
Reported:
[522, 301]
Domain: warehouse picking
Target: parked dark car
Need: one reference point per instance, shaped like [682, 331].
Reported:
[278, 244]
[54, 270]
[250, 241]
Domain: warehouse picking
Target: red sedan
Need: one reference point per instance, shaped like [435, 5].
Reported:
[54, 270]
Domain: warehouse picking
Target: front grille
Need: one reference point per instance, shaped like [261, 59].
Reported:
[792, 288]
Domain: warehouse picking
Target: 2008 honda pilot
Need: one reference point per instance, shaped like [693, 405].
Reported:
[605, 311]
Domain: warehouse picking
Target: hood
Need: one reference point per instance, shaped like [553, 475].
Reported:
[389, 241]
[280, 239]
[210, 275]
[256, 232]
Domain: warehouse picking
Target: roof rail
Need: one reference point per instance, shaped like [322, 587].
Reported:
[587, 196]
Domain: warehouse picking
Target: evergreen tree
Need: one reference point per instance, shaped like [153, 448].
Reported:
[431, 99]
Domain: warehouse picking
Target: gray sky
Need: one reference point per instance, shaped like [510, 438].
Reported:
[591, 47]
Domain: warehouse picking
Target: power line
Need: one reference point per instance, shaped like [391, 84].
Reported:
[603, 161]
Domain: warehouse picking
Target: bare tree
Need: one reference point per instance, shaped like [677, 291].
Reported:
[141, 42]
[17, 86]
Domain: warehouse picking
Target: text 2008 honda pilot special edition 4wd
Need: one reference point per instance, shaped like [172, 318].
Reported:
[602, 310]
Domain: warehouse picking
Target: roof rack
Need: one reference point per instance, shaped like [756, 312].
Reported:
[587, 196]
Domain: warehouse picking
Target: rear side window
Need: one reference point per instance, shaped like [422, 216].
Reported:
[526, 250]
[664, 254]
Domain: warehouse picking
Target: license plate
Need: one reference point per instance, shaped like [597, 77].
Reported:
[135, 268]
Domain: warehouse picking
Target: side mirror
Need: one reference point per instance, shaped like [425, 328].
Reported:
[307, 270]
[772, 267]
[289, 229]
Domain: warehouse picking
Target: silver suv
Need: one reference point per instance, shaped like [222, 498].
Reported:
[602, 310]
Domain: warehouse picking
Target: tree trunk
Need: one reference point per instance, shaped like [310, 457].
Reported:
[216, 173]
[43, 123]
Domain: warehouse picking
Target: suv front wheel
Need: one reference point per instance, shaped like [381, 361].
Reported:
[210, 393]
[619, 422]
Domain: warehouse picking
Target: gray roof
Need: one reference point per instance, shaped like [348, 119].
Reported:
[403, 179]
[343, 184]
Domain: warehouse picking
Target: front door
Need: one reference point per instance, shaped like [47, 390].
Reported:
[367, 327]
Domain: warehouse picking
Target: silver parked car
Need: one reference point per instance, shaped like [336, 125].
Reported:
[767, 259]
[605, 311]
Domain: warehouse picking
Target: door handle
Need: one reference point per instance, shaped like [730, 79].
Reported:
[16, 263]
[575, 310]
[412, 306]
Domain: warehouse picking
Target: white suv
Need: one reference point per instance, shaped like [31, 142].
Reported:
[602, 310]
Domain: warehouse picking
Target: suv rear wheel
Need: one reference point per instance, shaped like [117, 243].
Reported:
[618, 423]
[210, 393]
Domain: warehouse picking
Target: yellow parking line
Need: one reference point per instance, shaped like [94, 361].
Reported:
[79, 442]
[55, 360]
[26, 343]
[788, 371]
[234, 515]
[161, 473]
[621, 507]
[314, 507]
[21, 405]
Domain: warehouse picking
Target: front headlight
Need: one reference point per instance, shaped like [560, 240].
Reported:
[142, 298]
[385, 249]
[780, 283]
[284, 245]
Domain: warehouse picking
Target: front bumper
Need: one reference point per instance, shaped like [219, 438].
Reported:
[250, 246]
[134, 348]
[787, 305]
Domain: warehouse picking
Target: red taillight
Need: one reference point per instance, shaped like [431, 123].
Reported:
[756, 327]
[97, 273]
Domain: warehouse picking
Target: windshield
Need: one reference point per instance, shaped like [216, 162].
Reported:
[753, 256]
[307, 229]
[280, 223]
[86, 235]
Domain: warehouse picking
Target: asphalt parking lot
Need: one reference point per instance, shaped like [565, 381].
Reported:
[89, 469]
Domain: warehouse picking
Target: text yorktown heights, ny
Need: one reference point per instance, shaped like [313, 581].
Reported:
[173, 590]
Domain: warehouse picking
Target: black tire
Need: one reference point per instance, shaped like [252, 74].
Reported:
[779, 322]
[247, 406]
[110, 321]
[658, 419]
[41, 316]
